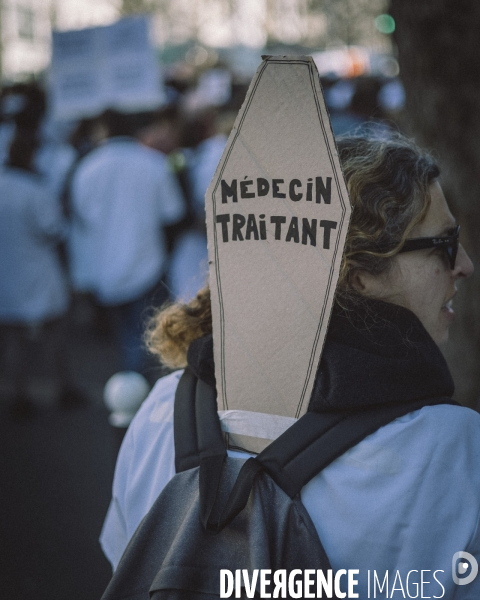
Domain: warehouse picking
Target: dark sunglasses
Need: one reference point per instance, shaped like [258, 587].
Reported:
[448, 242]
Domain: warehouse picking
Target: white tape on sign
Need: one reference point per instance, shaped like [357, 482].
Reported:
[254, 424]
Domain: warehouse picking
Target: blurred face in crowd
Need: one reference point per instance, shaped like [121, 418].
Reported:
[423, 280]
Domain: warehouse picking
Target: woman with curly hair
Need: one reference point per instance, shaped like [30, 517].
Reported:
[392, 502]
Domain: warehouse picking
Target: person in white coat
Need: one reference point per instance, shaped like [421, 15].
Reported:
[403, 503]
[33, 286]
[122, 195]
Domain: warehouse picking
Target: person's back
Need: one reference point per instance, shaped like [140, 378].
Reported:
[122, 194]
[31, 225]
[406, 499]
[390, 503]
[33, 290]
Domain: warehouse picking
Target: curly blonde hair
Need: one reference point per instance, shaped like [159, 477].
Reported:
[172, 328]
[388, 182]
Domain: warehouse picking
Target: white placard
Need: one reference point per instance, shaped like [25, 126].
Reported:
[277, 218]
[104, 67]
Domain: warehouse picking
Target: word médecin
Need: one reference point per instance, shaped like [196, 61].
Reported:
[306, 230]
[323, 191]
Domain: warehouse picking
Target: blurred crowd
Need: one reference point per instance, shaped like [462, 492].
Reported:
[106, 215]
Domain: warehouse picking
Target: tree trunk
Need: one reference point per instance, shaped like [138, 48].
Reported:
[439, 58]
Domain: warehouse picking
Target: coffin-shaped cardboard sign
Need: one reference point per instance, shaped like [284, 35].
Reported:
[277, 218]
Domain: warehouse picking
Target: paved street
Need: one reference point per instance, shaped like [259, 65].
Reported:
[56, 472]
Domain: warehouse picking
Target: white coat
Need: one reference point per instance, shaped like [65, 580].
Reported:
[33, 287]
[405, 499]
[122, 195]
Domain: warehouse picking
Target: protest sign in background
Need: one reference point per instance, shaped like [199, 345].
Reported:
[104, 67]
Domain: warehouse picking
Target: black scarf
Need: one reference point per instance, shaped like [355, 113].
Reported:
[375, 353]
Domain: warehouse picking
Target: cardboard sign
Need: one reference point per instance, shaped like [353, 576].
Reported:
[104, 67]
[277, 217]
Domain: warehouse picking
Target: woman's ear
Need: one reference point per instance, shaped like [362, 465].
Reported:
[358, 281]
[366, 284]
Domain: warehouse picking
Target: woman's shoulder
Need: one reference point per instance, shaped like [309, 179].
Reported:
[455, 433]
[444, 422]
[439, 430]
[165, 386]
[158, 406]
[413, 487]
[439, 442]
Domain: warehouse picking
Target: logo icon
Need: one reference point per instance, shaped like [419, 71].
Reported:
[461, 562]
